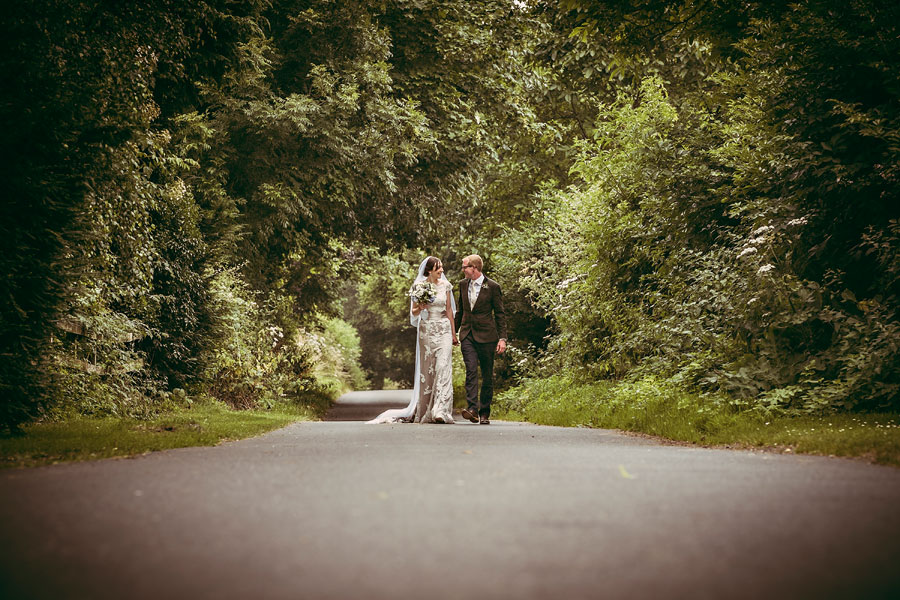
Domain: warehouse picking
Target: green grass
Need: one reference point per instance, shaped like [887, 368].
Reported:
[874, 436]
[661, 409]
[82, 438]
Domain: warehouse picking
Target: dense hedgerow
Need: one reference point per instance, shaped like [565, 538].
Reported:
[735, 232]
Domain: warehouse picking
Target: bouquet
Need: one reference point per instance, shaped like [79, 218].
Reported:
[423, 292]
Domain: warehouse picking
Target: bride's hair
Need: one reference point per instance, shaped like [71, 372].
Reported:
[430, 265]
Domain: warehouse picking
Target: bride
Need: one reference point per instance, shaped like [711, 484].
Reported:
[432, 397]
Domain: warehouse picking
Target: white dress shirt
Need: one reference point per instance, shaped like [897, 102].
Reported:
[475, 289]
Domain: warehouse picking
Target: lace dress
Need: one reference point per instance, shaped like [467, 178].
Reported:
[436, 360]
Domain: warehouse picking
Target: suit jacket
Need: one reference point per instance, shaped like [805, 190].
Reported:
[486, 320]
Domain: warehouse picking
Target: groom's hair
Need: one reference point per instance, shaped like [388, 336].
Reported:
[476, 261]
[430, 265]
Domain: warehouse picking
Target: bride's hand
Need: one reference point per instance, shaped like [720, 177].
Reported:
[455, 341]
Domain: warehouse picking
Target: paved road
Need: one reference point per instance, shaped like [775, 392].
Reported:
[339, 510]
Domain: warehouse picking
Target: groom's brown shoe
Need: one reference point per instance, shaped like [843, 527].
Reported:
[470, 415]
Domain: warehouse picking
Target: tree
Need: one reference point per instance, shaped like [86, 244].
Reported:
[734, 213]
[81, 136]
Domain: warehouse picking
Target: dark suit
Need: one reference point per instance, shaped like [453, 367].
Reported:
[480, 328]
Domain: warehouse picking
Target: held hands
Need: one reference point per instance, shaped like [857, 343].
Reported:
[455, 340]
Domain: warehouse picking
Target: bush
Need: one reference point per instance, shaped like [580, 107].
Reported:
[649, 405]
[688, 252]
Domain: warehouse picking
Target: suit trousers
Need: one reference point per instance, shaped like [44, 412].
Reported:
[475, 355]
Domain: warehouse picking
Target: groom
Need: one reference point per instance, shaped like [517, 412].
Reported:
[481, 323]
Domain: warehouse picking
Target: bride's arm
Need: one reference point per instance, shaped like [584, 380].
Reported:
[450, 315]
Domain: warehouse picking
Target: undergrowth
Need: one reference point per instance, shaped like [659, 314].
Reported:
[661, 409]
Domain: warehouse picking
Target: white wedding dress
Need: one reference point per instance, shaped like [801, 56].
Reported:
[436, 360]
[432, 395]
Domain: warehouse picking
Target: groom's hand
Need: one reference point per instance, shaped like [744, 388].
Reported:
[501, 346]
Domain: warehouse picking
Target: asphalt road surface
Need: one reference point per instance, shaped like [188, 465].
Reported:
[339, 509]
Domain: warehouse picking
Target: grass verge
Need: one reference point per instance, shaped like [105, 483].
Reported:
[661, 409]
[83, 438]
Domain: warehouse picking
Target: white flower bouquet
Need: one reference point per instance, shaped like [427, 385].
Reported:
[423, 292]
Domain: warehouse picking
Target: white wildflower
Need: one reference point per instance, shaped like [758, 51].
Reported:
[564, 284]
[746, 251]
[765, 269]
[762, 230]
[796, 222]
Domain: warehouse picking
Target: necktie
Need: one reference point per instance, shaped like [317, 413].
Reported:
[473, 293]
